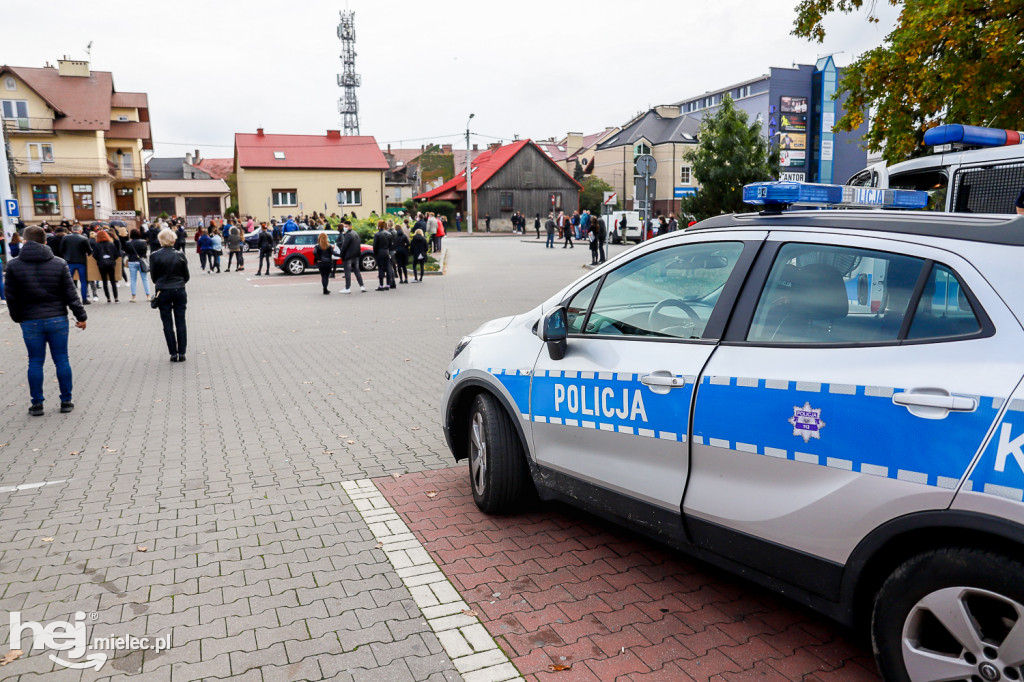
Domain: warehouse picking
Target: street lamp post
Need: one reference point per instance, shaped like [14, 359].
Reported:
[469, 181]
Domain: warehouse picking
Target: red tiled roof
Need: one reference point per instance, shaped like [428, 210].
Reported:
[309, 151]
[219, 169]
[81, 103]
[132, 100]
[485, 166]
[406, 156]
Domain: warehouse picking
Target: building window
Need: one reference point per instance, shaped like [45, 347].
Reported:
[350, 197]
[684, 175]
[38, 151]
[15, 109]
[640, 149]
[44, 200]
[279, 156]
[284, 197]
[506, 201]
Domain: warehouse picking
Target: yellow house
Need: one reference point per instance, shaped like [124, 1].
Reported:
[75, 143]
[281, 175]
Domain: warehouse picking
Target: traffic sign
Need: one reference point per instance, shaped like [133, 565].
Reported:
[610, 198]
[11, 208]
[681, 192]
[646, 165]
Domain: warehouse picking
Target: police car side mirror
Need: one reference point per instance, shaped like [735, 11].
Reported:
[553, 331]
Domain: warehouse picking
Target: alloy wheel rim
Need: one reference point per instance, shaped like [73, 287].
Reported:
[477, 452]
[964, 633]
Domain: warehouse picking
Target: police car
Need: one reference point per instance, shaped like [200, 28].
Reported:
[826, 402]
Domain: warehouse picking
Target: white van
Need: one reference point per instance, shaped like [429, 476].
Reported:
[985, 180]
[632, 231]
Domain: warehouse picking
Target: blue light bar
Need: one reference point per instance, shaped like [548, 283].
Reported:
[790, 193]
[974, 136]
[783, 194]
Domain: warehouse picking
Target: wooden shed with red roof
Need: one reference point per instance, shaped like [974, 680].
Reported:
[512, 177]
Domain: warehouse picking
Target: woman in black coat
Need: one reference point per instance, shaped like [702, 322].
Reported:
[106, 252]
[418, 251]
[323, 257]
[169, 271]
[402, 254]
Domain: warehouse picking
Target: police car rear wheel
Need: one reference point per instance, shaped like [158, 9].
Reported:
[951, 614]
[497, 467]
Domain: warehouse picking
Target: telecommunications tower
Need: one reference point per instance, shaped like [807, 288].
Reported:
[348, 105]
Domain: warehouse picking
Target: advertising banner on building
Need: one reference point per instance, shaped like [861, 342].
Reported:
[794, 123]
[793, 105]
[792, 159]
[792, 141]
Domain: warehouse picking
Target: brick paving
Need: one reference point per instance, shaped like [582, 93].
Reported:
[555, 586]
[229, 471]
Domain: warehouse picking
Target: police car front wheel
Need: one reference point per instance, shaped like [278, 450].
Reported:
[497, 465]
[951, 614]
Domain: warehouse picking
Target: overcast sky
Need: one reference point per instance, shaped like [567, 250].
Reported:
[533, 68]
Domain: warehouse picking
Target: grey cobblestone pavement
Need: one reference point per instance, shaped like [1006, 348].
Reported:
[204, 500]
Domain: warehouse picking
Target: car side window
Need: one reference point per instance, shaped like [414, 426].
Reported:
[831, 294]
[944, 309]
[577, 309]
[666, 293]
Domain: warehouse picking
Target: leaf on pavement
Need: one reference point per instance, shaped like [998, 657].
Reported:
[432, 493]
[415, 428]
[142, 548]
[558, 667]
[351, 442]
[47, 539]
[469, 612]
[380, 545]
[11, 655]
[396, 476]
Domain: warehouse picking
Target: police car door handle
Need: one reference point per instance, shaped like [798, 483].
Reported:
[941, 402]
[662, 380]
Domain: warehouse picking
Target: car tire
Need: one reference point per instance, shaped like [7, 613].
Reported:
[367, 262]
[296, 265]
[978, 594]
[497, 463]
[616, 239]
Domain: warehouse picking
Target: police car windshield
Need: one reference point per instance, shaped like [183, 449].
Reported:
[670, 292]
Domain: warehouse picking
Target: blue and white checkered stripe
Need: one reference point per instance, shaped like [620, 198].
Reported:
[863, 430]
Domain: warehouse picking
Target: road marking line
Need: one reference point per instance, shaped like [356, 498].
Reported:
[28, 486]
[465, 640]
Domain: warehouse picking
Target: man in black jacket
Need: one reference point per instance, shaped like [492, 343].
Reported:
[265, 242]
[351, 251]
[381, 251]
[39, 293]
[74, 249]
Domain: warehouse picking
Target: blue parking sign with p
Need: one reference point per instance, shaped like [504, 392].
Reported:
[11, 208]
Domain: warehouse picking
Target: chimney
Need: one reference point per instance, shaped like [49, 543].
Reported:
[188, 158]
[196, 158]
[476, 148]
[72, 67]
[573, 142]
[446, 148]
[389, 150]
[333, 134]
[492, 146]
[259, 132]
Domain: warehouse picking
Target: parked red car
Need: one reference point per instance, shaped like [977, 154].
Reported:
[295, 252]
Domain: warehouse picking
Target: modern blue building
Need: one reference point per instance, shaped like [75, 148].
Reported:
[796, 112]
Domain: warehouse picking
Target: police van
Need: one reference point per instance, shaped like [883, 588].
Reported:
[829, 403]
[974, 170]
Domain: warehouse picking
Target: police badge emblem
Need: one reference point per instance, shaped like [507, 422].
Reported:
[807, 422]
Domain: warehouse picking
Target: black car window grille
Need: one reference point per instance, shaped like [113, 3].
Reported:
[987, 189]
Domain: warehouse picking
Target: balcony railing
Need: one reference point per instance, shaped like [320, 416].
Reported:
[61, 167]
[28, 126]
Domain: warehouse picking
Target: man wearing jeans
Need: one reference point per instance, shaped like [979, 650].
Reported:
[39, 293]
[74, 249]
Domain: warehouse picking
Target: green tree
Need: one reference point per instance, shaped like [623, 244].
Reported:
[731, 153]
[577, 172]
[592, 195]
[955, 61]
